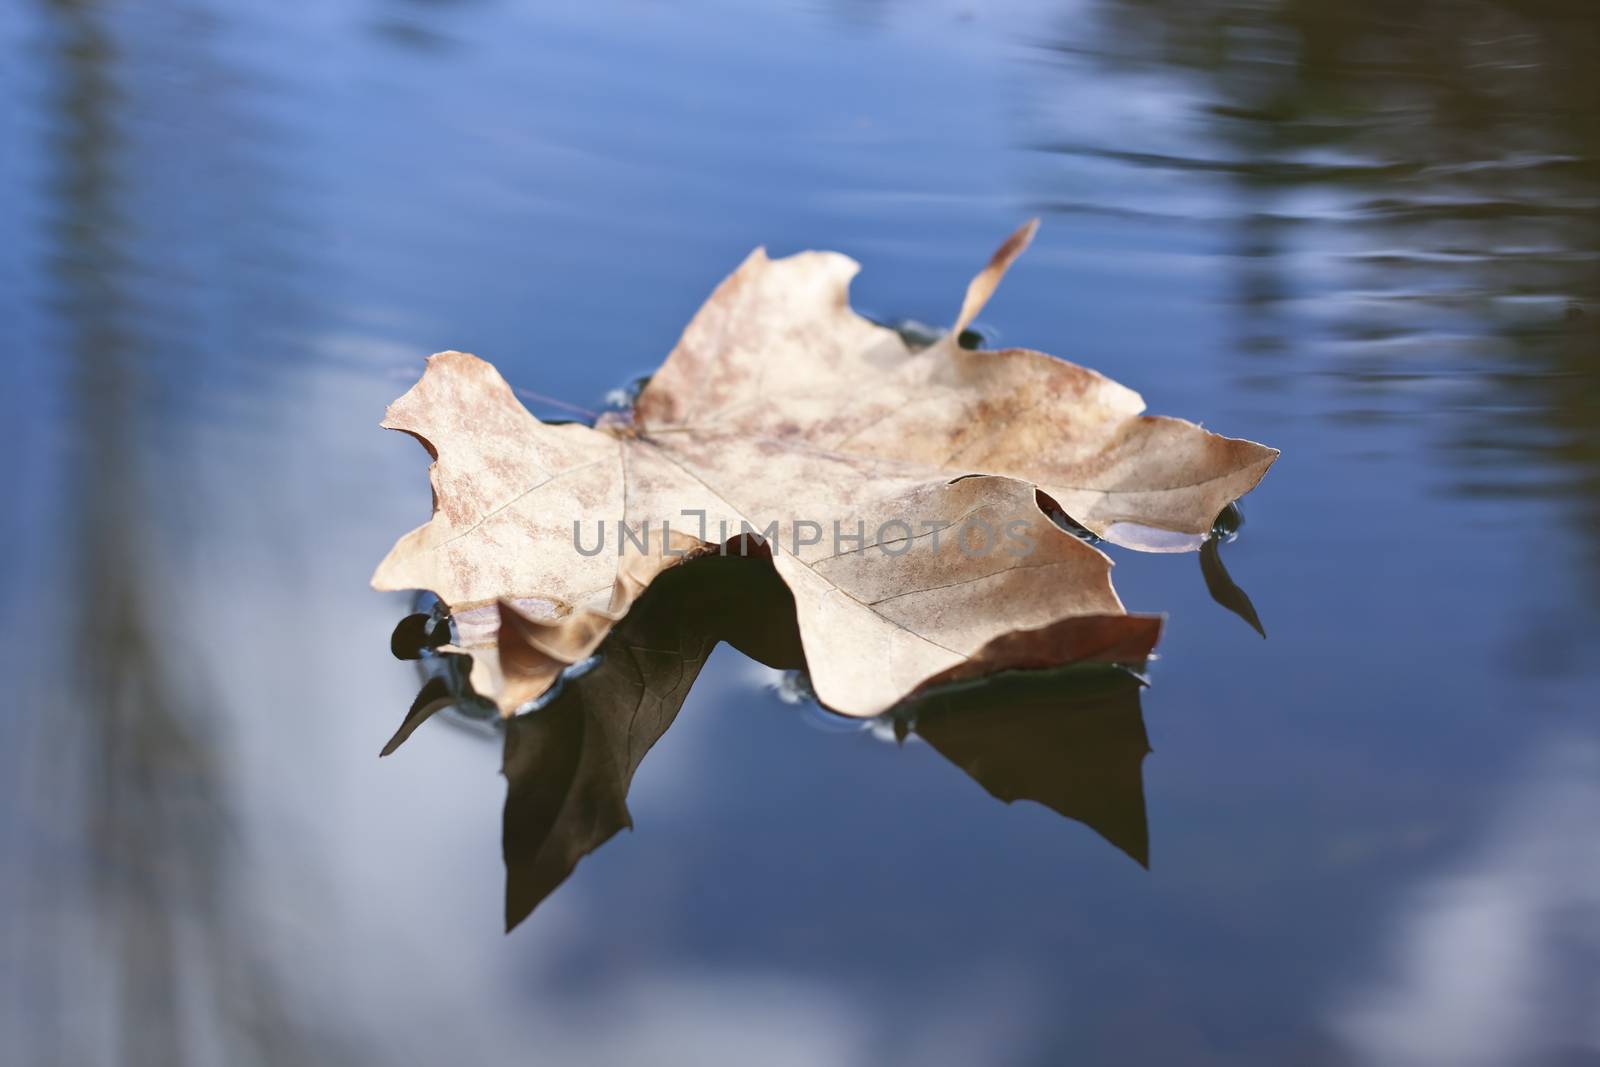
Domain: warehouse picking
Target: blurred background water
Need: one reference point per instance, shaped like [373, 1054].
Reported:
[1366, 232]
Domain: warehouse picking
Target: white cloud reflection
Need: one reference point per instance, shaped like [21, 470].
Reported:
[374, 887]
[1493, 963]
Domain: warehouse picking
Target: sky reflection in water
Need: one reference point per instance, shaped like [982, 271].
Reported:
[1364, 234]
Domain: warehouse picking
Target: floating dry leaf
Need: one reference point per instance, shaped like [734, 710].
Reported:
[863, 465]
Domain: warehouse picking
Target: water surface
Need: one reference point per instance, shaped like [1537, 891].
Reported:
[1365, 233]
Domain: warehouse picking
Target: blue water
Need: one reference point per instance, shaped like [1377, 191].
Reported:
[1365, 234]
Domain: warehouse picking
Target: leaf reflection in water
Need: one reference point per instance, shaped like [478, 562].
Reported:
[1219, 583]
[1223, 589]
[1072, 740]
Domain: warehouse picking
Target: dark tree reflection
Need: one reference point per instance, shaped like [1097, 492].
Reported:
[140, 950]
[1436, 165]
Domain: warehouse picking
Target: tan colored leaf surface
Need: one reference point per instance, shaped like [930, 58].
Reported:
[781, 411]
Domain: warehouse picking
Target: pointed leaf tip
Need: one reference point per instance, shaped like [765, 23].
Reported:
[982, 287]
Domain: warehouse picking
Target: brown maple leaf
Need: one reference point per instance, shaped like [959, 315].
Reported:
[901, 493]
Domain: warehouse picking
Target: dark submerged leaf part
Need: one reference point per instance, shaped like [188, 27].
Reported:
[1073, 740]
[1070, 740]
[436, 693]
[568, 766]
[1223, 589]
